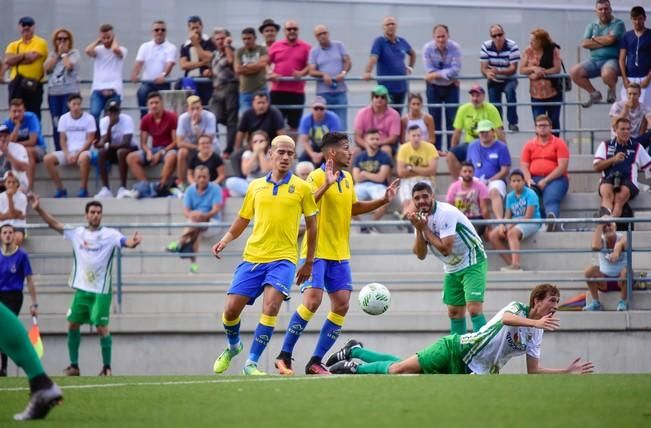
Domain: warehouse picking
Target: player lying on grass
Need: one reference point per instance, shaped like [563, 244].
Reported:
[515, 330]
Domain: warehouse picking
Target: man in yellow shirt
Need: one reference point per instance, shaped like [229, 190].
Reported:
[416, 161]
[277, 201]
[334, 194]
[25, 57]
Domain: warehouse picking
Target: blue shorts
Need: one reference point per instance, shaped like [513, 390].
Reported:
[593, 67]
[331, 275]
[251, 278]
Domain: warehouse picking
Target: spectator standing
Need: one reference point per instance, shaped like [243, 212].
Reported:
[251, 62]
[469, 115]
[62, 69]
[470, 196]
[196, 56]
[224, 101]
[330, 62]
[635, 56]
[416, 116]
[379, 116]
[630, 108]
[206, 156]
[601, 38]
[155, 59]
[541, 58]
[13, 207]
[499, 61]
[14, 158]
[442, 61]
[544, 161]
[618, 160]
[255, 163]
[313, 127]
[389, 52]
[25, 57]
[77, 129]
[289, 58]
[269, 30]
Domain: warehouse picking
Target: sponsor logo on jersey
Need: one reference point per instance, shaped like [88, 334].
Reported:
[514, 342]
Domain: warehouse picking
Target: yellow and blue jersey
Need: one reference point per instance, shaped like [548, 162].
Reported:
[335, 213]
[277, 208]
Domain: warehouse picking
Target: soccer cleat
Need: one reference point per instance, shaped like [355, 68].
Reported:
[224, 360]
[316, 369]
[40, 403]
[622, 306]
[194, 268]
[83, 193]
[71, 371]
[252, 370]
[104, 193]
[344, 367]
[595, 305]
[106, 371]
[173, 247]
[61, 193]
[284, 366]
[344, 353]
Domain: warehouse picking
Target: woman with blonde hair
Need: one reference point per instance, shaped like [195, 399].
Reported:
[62, 69]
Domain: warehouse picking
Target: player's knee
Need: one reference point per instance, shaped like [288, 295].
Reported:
[475, 308]
[73, 326]
[456, 312]
[340, 307]
[312, 303]
[271, 308]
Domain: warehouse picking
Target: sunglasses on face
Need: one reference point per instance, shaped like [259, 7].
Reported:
[291, 28]
[159, 30]
[318, 108]
[495, 36]
[59, 39]
[379, 96]
[323, 33]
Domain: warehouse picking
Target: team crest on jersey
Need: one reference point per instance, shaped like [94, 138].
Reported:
[347, 184]
[291, 188]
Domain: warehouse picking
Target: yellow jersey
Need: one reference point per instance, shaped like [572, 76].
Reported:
[417, 157]
[34, 70]
[277, 208]
[335, 213]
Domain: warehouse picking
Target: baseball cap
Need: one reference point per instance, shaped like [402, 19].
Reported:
[112, 105]
[194, 18]
[381, 91]
[319, 101]
[26, 20]
[484, 125]
[4, 129]
[268, 23]
[476, 88]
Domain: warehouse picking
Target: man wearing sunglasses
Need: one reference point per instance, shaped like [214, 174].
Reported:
[155, 59]
[25, 57]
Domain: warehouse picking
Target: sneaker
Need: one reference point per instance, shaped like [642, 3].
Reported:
[603, 211]
[105, 193]
[71, 371]
[252, 370]
[131, 194]
[224, 360]
[284, 366]
[611, 97]
[344, 353]
[173, 247]
[176, 192]
[364, 230]
[511, 268]
[595, 305]
[121, 193]
[83, 193]
[622, 306]
[194, 268]
[513, 127]
[344, 367]
[61, 193]
[373, 230]
[595, 97]
[315, 368]
[551, 227]
[40, 403]
[106, 371]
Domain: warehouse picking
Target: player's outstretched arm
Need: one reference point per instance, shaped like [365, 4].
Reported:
[363, 207]
[576, 367]
[35, 201]
[305, 271]
[236, 229]
[134, 241]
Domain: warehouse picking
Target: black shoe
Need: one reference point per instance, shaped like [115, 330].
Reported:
[344, 367]
[40, 403]
[344, 353]
[551, 227]
[513, 127]
[106, 371]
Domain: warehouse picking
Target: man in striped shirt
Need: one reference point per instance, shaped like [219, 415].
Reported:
[499, 61]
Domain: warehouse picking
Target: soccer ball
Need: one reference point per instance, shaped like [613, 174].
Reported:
[374, 298]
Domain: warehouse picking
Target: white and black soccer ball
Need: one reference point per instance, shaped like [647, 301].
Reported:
[374, 298]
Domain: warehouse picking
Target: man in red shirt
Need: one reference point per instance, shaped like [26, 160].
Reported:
[544, 161]
[160, 125]
[289, 58]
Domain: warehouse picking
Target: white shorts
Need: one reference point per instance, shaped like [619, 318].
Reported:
[499, 185]
[61, 157]
[368, 190]
[528, 229]
[406, 184]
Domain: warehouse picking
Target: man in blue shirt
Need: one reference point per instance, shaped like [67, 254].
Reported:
[24, 128]
[202, 204]
[388, 52]
[635, 56]
[313, 127]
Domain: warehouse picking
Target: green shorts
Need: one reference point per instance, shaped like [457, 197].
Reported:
[90, 308]
[467, 285]
[443, 357]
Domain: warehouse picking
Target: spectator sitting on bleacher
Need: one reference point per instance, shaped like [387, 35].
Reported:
[491, 162]
[416, 116]
[610, 274]
[372, 171]
[544, 161]
[314, 125]
[13, 157]
[468, 117]
[115, 144]
[77, 132]
[470, 196]
[255, 164]
[303, 169]
[521, 202]
[202, 203]
[618, 160]
[13, 207]
[206, 156]
[378, 116]
[639, 114]
[160, 125]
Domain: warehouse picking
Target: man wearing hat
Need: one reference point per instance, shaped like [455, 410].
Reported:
[468, 117]
[269, 30]
[314, 125]
[196, 56]
[25, 57]
[13, 157]
[379, 116]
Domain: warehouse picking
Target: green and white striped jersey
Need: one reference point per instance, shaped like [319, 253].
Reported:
[489, 349]
[468, 249]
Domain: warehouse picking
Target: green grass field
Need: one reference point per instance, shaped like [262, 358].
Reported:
[623, 401]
